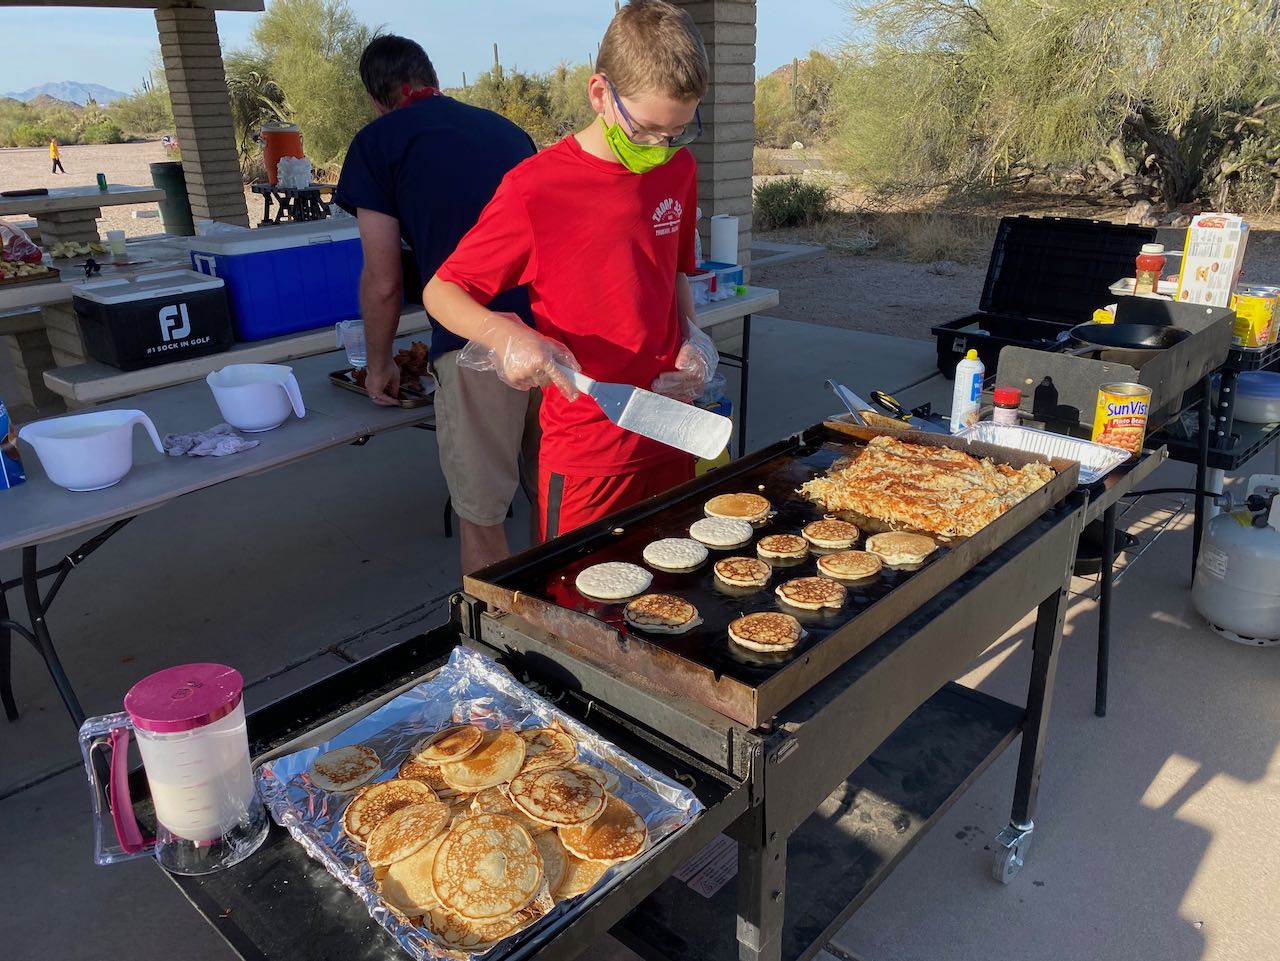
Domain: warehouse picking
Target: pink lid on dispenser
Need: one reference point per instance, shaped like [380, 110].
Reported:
[184, 698]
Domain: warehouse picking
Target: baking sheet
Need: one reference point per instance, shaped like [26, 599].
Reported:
[471, 688]
[1096, 460]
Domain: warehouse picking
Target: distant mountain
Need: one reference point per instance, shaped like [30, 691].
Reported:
[72, 91]
[43, 102]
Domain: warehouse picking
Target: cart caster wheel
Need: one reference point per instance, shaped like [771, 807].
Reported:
[1011, 849]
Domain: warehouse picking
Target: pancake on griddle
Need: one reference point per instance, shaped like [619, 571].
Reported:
[405, 832]
[722, 533]
[546, 747]
[487, 867]
[743, 571]
[832, 534]
[850, 565]
[751, 508]
[579, 877]
[464, 938]
[378, 802]
[675, 554]
[407, 885]
[557, 796]
[782, 547]
[661, 614]
[767, 632]
[812, 593]
[613, 581]
[498, 759]
[618, 834]
[494, 800]
[554, 857]
[345, 768]
[901, 549]
[449, 745]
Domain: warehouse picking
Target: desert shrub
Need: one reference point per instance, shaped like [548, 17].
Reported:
[106, 132]
[791, 202]
[25, 135]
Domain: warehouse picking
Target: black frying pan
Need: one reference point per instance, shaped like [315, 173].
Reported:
[1132, 344]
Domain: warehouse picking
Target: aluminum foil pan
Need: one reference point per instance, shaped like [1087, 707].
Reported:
[1096, 460]
[470, 688]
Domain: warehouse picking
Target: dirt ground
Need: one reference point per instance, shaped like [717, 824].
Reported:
[123, 163]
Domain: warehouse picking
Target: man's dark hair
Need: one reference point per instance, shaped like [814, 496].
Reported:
[389, 62]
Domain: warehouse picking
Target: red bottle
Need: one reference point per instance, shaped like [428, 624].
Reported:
[1150, 268]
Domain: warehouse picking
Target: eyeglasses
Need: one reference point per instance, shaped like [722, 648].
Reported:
[648, 138]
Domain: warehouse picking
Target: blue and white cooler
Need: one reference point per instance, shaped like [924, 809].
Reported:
[285, 278]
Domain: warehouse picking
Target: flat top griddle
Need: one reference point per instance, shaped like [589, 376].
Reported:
[538, 585]
[719, 604]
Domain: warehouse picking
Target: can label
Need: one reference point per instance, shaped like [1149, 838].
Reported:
[1120, 418]
[1256, 309]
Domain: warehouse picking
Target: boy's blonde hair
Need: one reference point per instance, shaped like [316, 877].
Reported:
[653, 47]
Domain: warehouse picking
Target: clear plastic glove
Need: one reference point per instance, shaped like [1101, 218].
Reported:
[525, 360]
[695, 366]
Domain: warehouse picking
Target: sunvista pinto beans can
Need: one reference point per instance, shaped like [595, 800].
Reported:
[1120, 418]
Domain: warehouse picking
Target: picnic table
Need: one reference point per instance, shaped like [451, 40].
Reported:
[39, 512]
[71, 213]
[293, 203]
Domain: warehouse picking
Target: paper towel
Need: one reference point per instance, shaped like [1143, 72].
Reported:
[724, 239]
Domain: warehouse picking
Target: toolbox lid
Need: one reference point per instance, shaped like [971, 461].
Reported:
[163, 283]
[1059, 268]
[278, 237]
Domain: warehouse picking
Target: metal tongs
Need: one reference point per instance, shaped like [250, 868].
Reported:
[852, 401]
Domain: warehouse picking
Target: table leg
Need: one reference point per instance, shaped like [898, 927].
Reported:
[743, 388]
[762, 886]
[1202, 469]
[1106, 577]
[266, 210]
[44, 643]
[6, 662]
[1044, 665]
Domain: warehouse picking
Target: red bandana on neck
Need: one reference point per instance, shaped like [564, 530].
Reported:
[408, 95]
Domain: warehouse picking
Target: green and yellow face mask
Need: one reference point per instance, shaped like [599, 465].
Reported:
[638, 158]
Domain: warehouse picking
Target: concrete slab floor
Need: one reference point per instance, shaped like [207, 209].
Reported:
[1154, 819]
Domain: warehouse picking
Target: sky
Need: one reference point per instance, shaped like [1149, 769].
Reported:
[114, 47]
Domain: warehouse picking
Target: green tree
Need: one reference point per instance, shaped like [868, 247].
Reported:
[256, 98]
[312, 48]
[144, 112]
[945, 94]
[523, 98]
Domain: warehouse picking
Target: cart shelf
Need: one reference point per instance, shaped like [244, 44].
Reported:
[842, 853]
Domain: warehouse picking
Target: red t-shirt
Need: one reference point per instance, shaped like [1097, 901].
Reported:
[599, 248]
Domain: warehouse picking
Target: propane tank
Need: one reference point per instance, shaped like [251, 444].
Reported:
[1237, 582]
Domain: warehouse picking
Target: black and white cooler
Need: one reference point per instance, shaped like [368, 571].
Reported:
[151, 319]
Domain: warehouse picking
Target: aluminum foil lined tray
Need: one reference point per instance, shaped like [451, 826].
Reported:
[471, 688]
[1096, 460]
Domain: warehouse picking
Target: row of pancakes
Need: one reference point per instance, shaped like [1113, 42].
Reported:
[731, 522]
[482, 831]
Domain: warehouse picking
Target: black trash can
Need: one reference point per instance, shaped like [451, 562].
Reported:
[175, 209]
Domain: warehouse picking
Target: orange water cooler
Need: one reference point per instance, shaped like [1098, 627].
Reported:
[279, 140]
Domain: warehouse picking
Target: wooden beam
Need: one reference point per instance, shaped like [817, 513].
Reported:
[243, 6]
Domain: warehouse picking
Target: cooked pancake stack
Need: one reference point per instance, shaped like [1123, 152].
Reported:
[483, 831]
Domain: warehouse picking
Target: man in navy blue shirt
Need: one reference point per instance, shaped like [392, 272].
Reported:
[423, 171]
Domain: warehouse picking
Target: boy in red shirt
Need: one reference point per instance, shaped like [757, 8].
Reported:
[600, 228]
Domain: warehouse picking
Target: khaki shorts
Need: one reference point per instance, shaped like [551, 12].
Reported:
[488, 435]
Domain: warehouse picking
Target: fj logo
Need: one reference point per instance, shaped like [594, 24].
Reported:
[174, 322]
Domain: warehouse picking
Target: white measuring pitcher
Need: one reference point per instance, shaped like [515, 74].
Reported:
[256, 397]
[190, 728]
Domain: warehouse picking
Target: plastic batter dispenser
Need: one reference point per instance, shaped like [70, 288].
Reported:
[190, 729]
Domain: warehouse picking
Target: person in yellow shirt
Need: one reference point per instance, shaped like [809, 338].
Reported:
[56, 156]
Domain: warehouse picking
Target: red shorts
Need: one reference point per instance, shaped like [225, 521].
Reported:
[569, 501]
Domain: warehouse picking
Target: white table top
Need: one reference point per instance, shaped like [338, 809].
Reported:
[88, 197]
[94, 383]
[39, 511]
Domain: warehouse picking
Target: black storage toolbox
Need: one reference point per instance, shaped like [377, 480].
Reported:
[151, 319]
[1046, 275]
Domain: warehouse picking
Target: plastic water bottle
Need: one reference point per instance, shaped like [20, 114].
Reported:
[967, 392]
[11, 474]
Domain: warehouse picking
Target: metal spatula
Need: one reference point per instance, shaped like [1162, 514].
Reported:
[682, 426]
